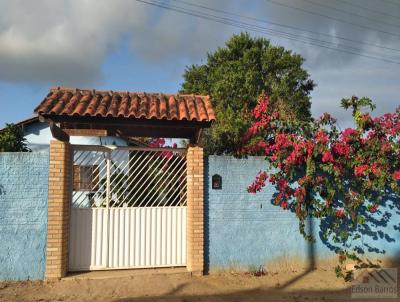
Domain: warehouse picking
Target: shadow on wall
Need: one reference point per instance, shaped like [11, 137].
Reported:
[374, 237]
[243, 230]
[206, 217]
[377, 235]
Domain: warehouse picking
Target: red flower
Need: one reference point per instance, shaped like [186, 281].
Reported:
[327, 157]
[375, 168]
[340, 213]
[321, 137]
[284, 205]
[396, 175]
[373, 208]
[341, 149]
[348, 134]
[157, 143]
[282, 184]
[258, 183]
[304, 180]
[360, 170]
[310, 148]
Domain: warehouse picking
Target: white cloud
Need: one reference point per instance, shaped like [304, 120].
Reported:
[64, 40]
[47, 41]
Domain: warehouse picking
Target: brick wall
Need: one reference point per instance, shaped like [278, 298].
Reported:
[195, 210]
[23, 215]
[60, 190]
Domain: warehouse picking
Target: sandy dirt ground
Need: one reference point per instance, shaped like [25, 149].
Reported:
[317, 285]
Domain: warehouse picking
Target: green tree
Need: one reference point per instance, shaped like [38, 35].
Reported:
[12, 139]
[235, 75]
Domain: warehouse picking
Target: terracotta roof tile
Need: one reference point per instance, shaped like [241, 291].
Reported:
[77, 102]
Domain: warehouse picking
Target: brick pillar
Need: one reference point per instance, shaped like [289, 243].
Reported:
[60, 194]
[195, 210]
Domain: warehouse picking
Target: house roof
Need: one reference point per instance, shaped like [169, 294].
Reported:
[35, 119]
[75, 102]
[30, 120]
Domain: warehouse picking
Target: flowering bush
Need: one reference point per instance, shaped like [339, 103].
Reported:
[322, 172]
[160, 143]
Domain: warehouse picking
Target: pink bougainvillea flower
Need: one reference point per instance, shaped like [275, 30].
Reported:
[157, 143]
[327, 157]
[340, 213]
[282, 184]
[360, 170]
[341, 149]
[258, 183]
[321, 166]
[321, 137]
[373, 208]
[348, 134]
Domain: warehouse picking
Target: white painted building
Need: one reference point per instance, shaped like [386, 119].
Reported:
[38, 136]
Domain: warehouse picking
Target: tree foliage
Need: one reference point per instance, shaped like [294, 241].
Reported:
[235, 75]
[12, 139]
[338, 177]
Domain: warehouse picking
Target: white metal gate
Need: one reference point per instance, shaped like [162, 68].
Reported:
[128, 208]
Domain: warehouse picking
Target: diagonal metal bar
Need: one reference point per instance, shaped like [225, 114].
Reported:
[177, 196]
[181, 169]
[183, 196]
[170, 179]
[100, 156]
[112, 183]
[86, 173]
[80, 153]
[89, 157]
[134, 178]
[150, 183]
[162, 190]
[182, 185]
[79, 194]
[180, 177]
[143, 170]
[152, 172]
[140, 167]
[155, 185]
[158, 164]
[117, 156]
[84, 158]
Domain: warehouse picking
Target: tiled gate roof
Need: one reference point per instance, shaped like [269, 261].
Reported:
[118, 104]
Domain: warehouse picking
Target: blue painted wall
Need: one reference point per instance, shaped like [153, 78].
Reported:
[23, 215]
[241, 229]
[244, 230]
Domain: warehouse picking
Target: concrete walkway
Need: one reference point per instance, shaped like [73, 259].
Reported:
[123, 273]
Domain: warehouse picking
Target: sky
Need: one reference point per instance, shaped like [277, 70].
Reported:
[351, 47]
